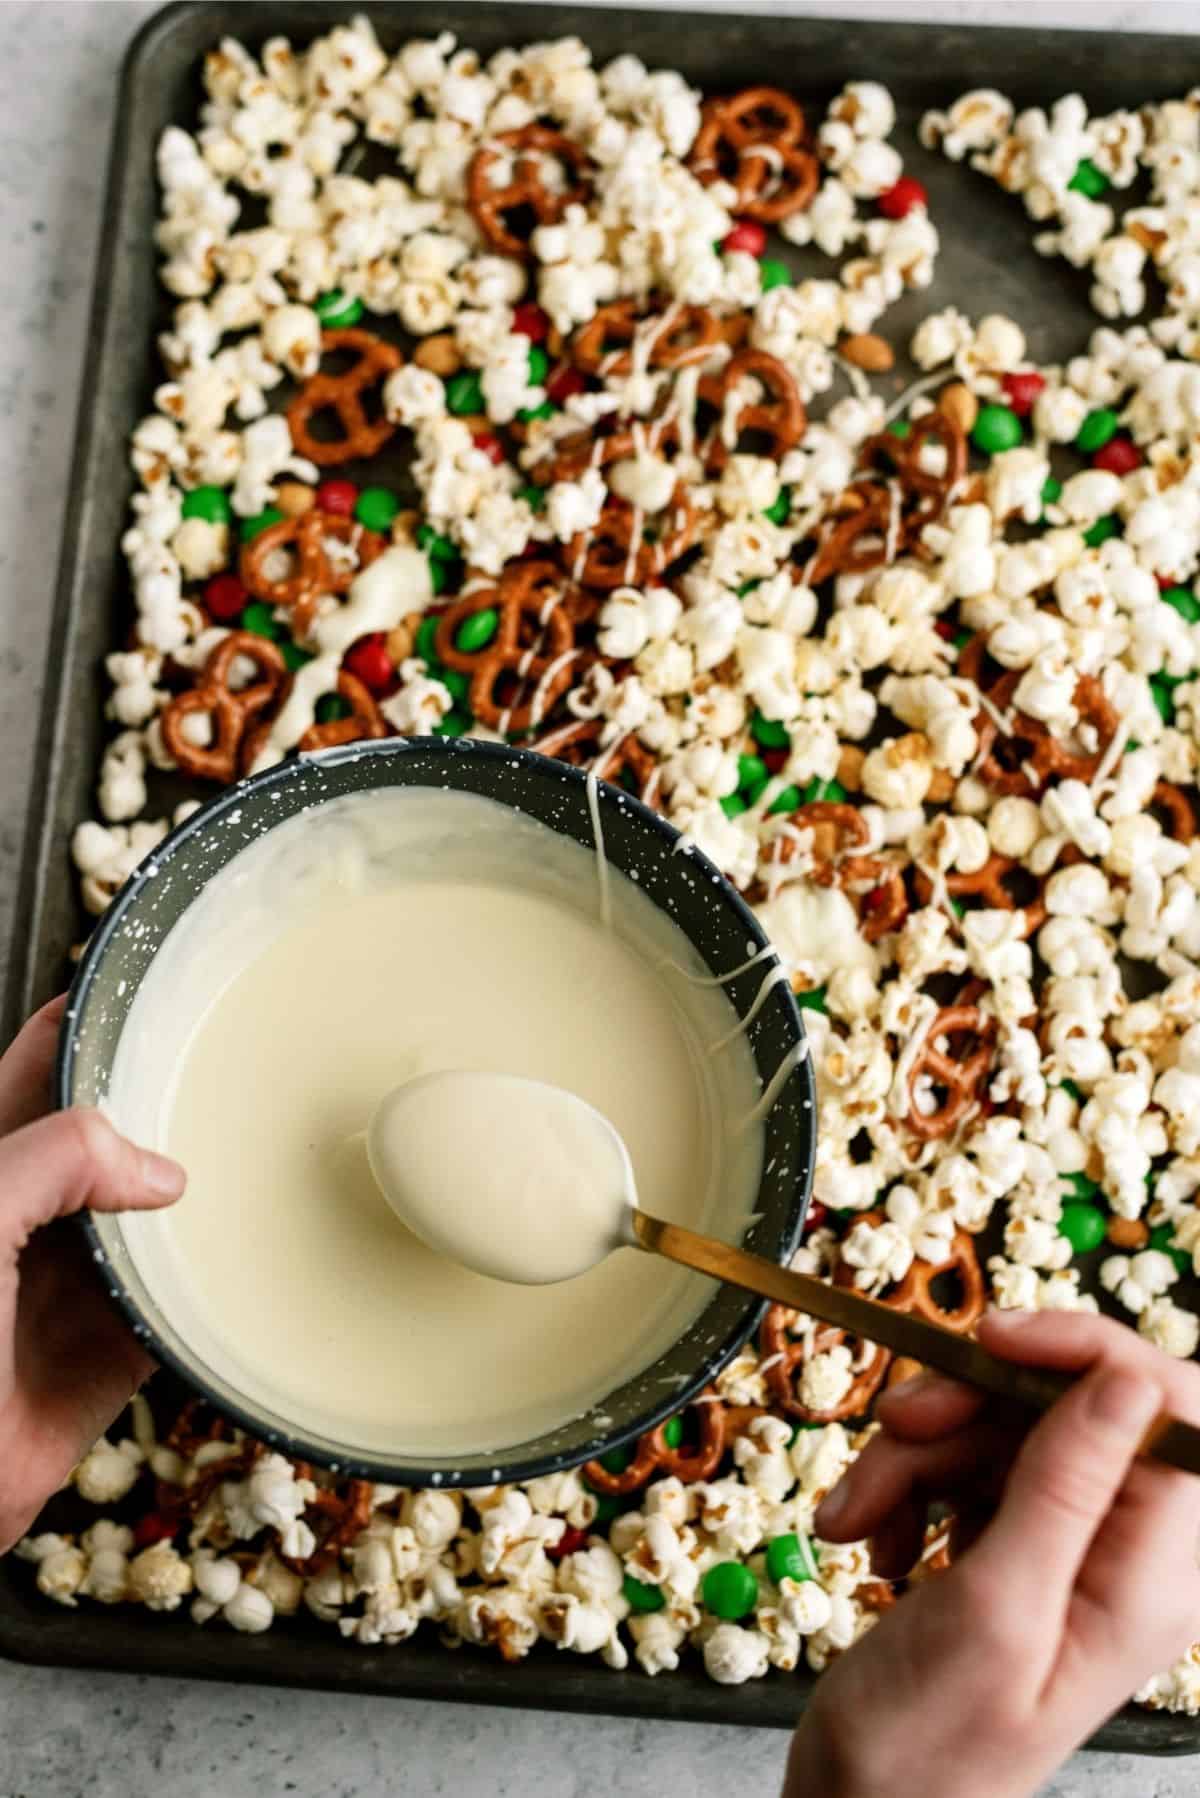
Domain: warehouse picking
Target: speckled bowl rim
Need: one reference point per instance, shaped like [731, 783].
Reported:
[293, 1442]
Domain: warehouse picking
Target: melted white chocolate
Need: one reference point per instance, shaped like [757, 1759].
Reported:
[519, 1180]
[368, 941]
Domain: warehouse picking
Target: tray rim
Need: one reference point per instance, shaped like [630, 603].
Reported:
[497, 1685]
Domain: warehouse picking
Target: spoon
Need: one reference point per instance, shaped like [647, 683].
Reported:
[466, 1160]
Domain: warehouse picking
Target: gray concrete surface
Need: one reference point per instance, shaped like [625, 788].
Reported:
[64, 1733]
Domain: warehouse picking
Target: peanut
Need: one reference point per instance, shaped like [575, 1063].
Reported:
[866, 350]
[849, 768]
[440, 355]
[293, 498]
[1127, 1232]
[960, 404]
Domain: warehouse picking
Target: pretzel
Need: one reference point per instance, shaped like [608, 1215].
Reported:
[779, 416]
[334, 1517]
[930, 491]
[987, 883]
[1023, 761]
[878, 886]
[314, 573]
[678, 336]
[363, 720]
[960, 1075]
[858, 541]
[718, 1425]
[876, 883]
[533, 646]
[1180, 823]
[597, 449]
[230, 711]
[755, 141]
[782, 1354]
[626, 758]
[526, 190]
[915, 1291]
[342, 395]
[607, 556]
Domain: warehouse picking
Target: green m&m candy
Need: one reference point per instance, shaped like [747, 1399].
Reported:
[733, 805]
[330, 707]
[1161, 1238]
[527, 414]
[1083, 1226]
[337, 311]
[477, 631]
[779, 508]
[376, 507]
[426, 643]
[464, 395]
[211, 503]
[831, 791]
[768, 732]
[1102, 530]
[752, 772]
[616, 1460]
[900, 427]
[1183, 601]
[454, 724]
[787, 801]
[259, 618]
[673, 1432]
[997, 428]
[293, 656]
[641, 1596]
[1098, 427]
[1088, 180]
[811, 998]
[539, 366]
[773, 274]
[261, 521]
[791, 1557]
[730, 1590]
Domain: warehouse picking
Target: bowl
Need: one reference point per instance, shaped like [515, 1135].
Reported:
[637, 840]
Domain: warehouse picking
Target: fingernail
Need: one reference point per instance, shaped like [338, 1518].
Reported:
[1008, 1321]
[831, 1508]
[162, 1176]
[1124, 1401]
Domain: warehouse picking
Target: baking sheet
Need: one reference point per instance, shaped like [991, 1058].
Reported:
[986, 264]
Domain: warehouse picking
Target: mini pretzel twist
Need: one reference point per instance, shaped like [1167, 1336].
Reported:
[568, 458]
[915, 1291]
[231, 711]
[364, 719]
[755, 141]
[1177, 808]
[343, 396]
[926, 492]
[873, 882]
[627, 756]
[779, 415]
[960, 1074]
[609, 555]
[315, 574]
[1023, 761]
[784, 1356]
[988, 883]
[527, 189]
[529, 661]
[717, 1424]
[856, 542]
[335, 1516]
[679, 336]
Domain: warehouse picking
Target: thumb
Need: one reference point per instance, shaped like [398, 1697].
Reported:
[73, 1159]
[1065, 1480]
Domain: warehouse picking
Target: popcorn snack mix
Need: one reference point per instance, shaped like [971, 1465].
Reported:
[917, 672]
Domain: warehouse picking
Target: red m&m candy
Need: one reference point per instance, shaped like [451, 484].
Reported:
[1118, 456]
[491, 446]
[1021, 390]
[563, 383]
[530, 321]
[898, 201]
[337, 496]
[746, 235]
[370, 661]
[224, 597]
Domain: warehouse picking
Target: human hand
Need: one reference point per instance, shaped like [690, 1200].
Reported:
[1084, 1580]
[67, 1363]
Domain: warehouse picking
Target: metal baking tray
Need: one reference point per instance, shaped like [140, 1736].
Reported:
[986, 264]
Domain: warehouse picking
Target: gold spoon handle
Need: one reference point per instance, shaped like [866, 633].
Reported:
[1167, 1440]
